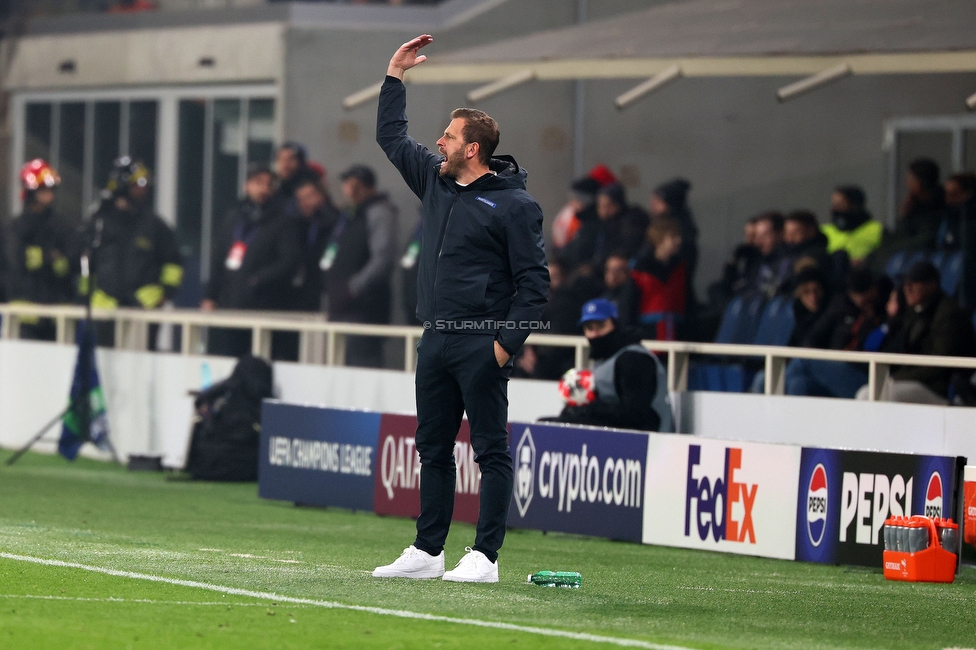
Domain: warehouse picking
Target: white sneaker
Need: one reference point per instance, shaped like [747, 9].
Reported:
[413, 563]
[473, 567]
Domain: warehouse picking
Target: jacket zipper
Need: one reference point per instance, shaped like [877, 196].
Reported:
[440, 249]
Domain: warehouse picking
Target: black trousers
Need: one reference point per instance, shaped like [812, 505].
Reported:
[458, 373]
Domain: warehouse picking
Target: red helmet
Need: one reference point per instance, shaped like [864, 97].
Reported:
[37, 174]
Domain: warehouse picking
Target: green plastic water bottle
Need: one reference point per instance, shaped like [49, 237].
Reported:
[564, 579]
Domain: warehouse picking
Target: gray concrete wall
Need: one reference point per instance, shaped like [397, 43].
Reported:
[743, 151]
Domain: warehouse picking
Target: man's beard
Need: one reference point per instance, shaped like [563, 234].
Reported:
[453, 164]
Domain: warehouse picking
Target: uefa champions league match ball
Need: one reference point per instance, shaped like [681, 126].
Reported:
[577, 387]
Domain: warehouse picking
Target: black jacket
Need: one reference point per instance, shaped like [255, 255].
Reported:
[270, 263]
[939, 327]
[309, 284]
[482, 263]
[131, 250]
[40, 243]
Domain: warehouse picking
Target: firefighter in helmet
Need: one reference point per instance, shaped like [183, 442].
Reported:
[134, 257]
[40, 243]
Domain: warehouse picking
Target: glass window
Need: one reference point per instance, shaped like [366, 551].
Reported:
[228, 145]
[71, 158]
[189, 181]
[260, 130]
[37, 140]
[106, 143]
[142, 132]
[969, 150]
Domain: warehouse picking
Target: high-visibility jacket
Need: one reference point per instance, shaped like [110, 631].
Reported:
[858, 242]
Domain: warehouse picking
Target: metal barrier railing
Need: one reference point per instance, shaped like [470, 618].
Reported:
[323, 342]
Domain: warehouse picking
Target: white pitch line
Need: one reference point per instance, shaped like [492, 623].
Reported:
[140, 601]
[399, 613]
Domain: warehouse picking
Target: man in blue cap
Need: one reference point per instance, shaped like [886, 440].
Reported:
[631, 384]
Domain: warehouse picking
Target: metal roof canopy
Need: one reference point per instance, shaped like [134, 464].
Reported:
[733, 38]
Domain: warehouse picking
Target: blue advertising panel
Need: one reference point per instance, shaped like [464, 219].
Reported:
[317, 456]
[844, 498]
[588, 481]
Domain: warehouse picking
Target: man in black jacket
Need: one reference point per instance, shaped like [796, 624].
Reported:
[358, 263]
[482, 286]
[255, 257]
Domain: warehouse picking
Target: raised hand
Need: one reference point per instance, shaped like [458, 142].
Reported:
[406, 57]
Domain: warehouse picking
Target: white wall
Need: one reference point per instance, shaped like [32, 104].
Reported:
[149, 407]
[150, 410]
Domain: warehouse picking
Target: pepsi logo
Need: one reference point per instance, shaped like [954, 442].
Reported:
[933, 496]
[817, 505]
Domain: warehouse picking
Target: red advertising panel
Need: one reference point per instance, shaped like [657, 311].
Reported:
[397, 486]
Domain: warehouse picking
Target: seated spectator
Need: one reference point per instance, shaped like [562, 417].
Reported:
[670, 199]
[851, 228]
[581, 206]
[803, 243]
[844, 325]
[631, 384]
[566, 299]
[770, 271]
[918, 220]
[618, 227]
[621, 289]
[661, 276]
[735, 272]
[957, 232]
[810, 299]
[932, 324]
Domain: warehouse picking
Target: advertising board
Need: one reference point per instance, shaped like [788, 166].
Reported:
[316, 456]
[581, 480]
[735, 497]
[844, 498]
[397, 483]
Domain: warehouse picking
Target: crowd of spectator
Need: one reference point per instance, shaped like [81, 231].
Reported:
[849, 283]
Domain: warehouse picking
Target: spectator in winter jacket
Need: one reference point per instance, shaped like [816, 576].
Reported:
[844, 325]
[256, 255]
[810, 298]
[851, 228]
[580, 208]
[358, 263]
[618, 227]
[932, 324]
[771, 269]
[661, 275]
[671, 199]
[620, 289]
[957, 233]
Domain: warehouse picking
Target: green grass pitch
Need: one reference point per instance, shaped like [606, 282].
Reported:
[260, 557]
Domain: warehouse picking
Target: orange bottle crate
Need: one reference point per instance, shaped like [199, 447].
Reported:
[933, 564]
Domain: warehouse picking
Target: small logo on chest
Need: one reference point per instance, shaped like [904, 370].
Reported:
[486, 201]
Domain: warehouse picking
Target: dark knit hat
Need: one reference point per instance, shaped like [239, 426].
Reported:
[616, 193]
[854, 195]
[674, 193]
[922, 271]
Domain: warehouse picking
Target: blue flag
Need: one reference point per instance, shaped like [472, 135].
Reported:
[72, 433]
